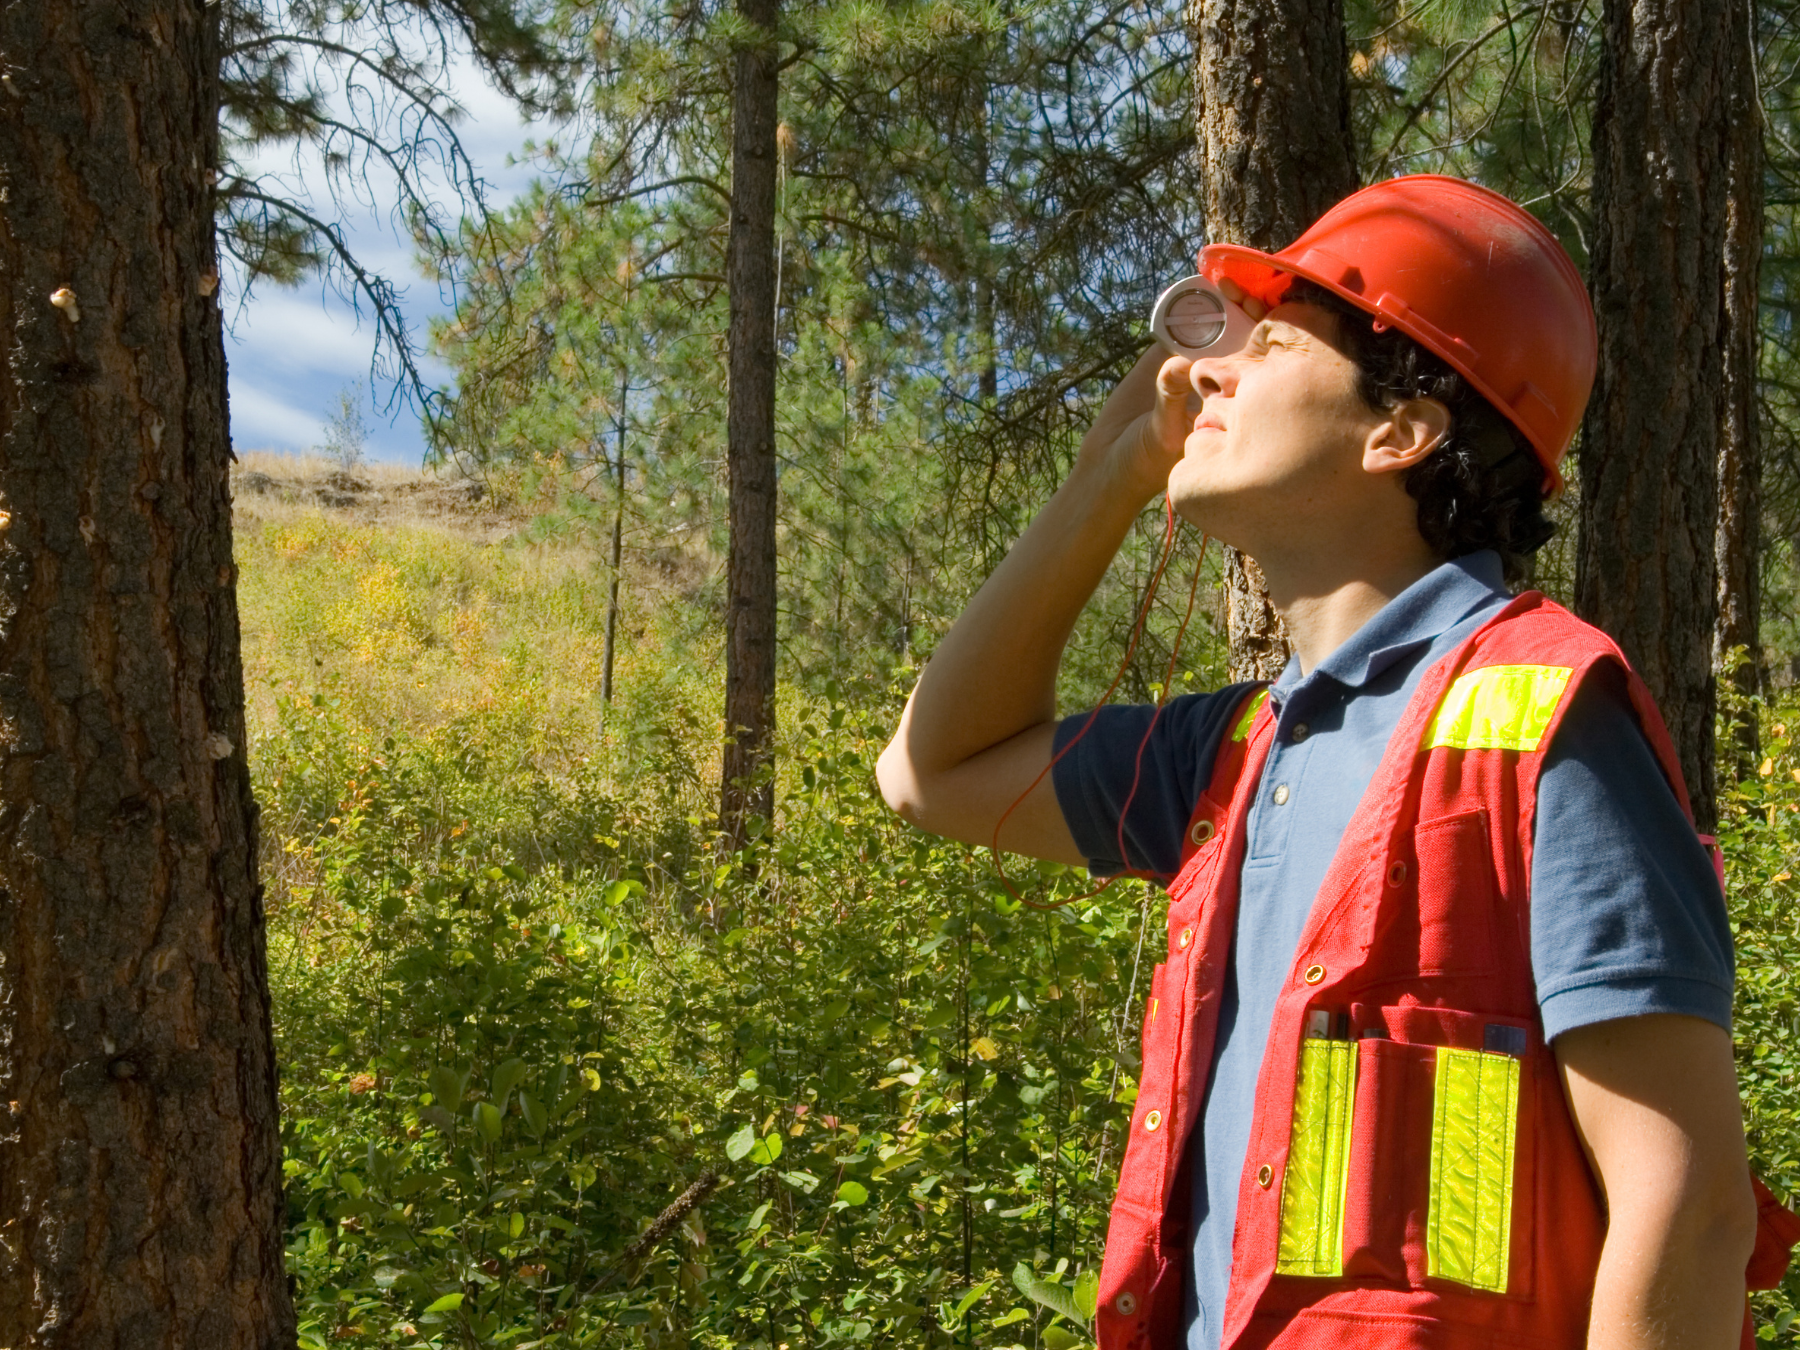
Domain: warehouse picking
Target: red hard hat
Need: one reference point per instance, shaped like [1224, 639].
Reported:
[1465, 273]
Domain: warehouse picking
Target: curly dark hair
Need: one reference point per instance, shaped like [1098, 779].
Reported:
[1483, 487]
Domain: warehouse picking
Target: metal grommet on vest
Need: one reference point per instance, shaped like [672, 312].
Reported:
[1125, 1304]
[1201, 833]
[1314, 974]
[1153, 1120]
[1186, 938]
[1397, 874]
[1265, 1175]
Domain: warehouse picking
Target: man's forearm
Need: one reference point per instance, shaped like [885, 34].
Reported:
[994, 673]
[1669, 1289]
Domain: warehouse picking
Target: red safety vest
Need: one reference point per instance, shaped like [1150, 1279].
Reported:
[1413, 1177]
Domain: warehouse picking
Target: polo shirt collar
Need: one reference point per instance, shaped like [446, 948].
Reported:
[1418, 616]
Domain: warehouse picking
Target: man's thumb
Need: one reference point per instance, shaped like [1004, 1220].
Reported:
[1171, 417]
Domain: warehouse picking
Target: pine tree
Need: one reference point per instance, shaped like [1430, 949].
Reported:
[1664, 168]
[1272, 109]
[141, 1174]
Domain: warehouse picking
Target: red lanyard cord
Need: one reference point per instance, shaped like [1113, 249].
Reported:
[1137, 632]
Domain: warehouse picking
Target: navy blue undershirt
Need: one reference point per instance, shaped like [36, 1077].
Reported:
[1626, 915]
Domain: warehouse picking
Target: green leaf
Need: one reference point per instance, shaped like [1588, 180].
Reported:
[515, 1225]
[1045, 1293]
[853, 1193]
[506, 1078]
[352, 1184]
[1060, 1338]
[448, 1303]
[767, 1150]
[969, 1299]
[448, 1086]
[1087, 1294]
[487, 1120]
[533, 1111]
[740, 1143]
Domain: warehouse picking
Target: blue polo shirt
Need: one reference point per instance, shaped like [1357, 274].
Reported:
[1626, 915]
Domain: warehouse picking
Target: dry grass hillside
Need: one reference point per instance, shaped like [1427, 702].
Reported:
[269, 488]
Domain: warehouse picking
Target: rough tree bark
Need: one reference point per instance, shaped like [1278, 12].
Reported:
[1272, 110]
[1650, 456]
[140, 1184]
[1738, 540]
[750, 433]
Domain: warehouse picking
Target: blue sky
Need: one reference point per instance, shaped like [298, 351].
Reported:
[292, 351]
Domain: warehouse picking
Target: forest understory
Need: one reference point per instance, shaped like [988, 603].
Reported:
[522, 1007]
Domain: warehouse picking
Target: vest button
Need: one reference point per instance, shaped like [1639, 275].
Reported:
[1314, 974]
[1125, 1303]
[1281, 795]
[1201, 832]
[1264, 1175]
[1397, 874]
[1186, 938]
[1300, 732]
[1153, 1120]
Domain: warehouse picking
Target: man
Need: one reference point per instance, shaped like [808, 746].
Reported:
[1441, 1054]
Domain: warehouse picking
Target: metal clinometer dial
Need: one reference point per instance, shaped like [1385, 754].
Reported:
[1193, 318]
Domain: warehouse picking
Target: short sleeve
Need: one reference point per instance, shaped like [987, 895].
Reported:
[1095, 771]
[1626, 913]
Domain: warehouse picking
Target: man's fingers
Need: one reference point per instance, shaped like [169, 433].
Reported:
[1172, 418]
[1172, 379]
[1233, 292]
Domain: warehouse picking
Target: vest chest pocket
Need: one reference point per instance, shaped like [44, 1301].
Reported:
[1444, 920]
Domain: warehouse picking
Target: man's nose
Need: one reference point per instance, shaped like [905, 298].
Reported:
[1212, 375]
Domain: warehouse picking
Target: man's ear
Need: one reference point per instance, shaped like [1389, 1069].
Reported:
[1409, 432]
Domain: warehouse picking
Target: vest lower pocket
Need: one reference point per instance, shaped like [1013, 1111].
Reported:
[1384, 1207]
[1474, 1132]
[1440, 1167]
[1314, 1180]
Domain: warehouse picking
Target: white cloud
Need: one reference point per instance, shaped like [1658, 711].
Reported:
[292, 351]
[262, 420]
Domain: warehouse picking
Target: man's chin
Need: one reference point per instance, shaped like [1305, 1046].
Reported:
[1206, 510]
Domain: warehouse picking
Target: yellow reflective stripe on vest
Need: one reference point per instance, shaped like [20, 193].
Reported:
[1242, 729]
[1468, 1227]
[1498, 708]
[1312, 1185]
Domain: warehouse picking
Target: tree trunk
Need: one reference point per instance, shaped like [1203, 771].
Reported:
[140, 1182]
[1738, 542]
[750, 434]
[1651, 445]
[618, 547]
[1272, 112]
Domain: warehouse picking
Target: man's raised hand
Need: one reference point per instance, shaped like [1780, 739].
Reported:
[1137, 438]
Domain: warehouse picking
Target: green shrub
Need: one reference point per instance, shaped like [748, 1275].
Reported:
[496, 1074]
